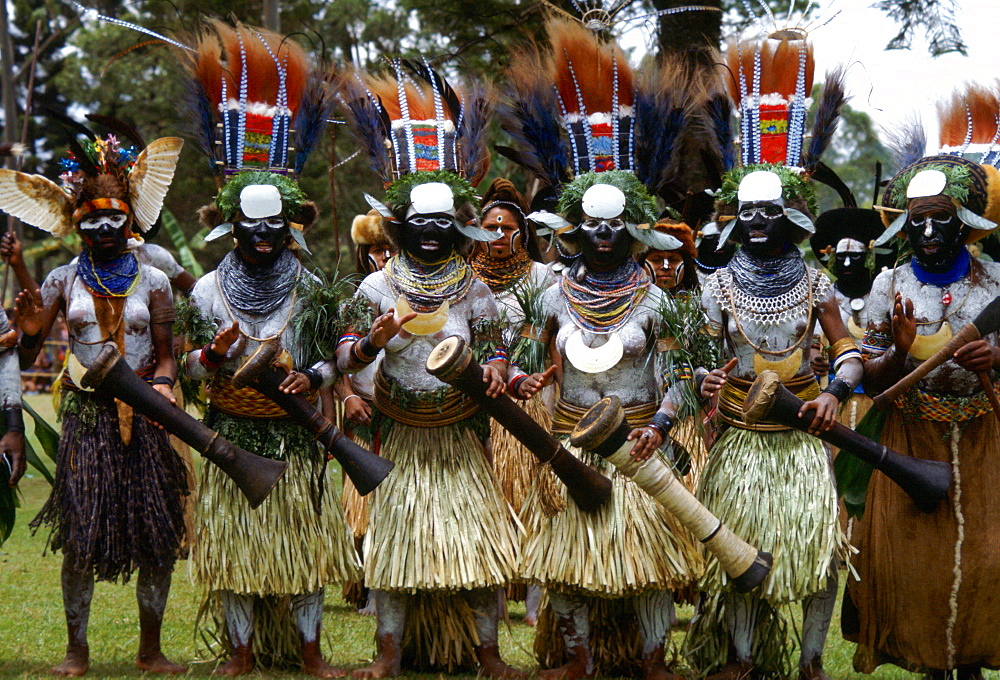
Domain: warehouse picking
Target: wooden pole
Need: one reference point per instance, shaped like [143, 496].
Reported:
[333, 189]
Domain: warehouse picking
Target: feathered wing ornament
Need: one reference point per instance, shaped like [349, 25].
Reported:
[150, 177]
[36, 200]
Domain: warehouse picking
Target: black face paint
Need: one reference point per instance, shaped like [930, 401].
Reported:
[261, 241]
[103, 234]
[709, 257]
[853, 278]
[763, 229]
[937, 239]
[604, 244]
[430, 238]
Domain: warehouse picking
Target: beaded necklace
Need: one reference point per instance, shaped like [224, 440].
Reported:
[501, 274]
[114, 278]
[427, 285]
[603, 303]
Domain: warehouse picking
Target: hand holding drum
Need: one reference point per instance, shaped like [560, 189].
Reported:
[451, 362]
[925, 481]
[111, 376]
[603, 430]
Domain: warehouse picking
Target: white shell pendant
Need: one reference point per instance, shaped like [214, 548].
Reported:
[76, 372]
[594, 359]
[857, 304]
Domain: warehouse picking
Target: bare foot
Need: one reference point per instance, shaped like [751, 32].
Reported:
[75, 664]
[369, 608]
[737, 670]
[314, 664]
[812, 671]
[155, 662]
[240, 663]
[659, 671]
[571, 671]
[382, 667]
[492, 666]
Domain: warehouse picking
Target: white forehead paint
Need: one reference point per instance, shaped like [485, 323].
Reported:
[849, 245]
[432, 197]
[260, 200]
[98, 221]
[926, 183]
[760, 185]
[603, 202]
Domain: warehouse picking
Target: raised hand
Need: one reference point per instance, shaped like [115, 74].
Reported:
[531, 385]
[225, 338]
[387, 326]
[717, 377]
[28, 313]
[904, 324]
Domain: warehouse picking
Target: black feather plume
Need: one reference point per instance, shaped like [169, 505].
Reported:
[120, 128]
[196, 110]
[827, 116]
[474, 153]
[451, 99]
[74, 126]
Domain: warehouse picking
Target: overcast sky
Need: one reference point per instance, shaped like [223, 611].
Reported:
[890, 85]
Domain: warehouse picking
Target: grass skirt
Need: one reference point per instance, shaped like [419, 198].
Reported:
[438, 521]
[630, 545]
[775, 490]
[115, 507]
[926, 598]
[282, 548]
[356, 512]
[285, 546]
[517, 468]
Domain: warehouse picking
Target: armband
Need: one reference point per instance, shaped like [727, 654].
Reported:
[211, 359]
[515, 383]
[14, 420]
[31, 341]
[839, 388]
[661, 422]
[315, 379]
[364, 350]
[163, 380]
[162, 315]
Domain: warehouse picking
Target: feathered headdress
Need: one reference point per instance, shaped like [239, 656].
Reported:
[421, 131]
[970, 126]
[255, 100]
[99, 174]
[579, 111]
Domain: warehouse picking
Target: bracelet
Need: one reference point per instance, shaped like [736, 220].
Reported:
[356, 396]
[364, 354]
[210, 358]
[515, 382]
[14, 419]
[31, 341]
[839, 388]
[163, 380]
[315, 379]
[661, 422]
[841, 346]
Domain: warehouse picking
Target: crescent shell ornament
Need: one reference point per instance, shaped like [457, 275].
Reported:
[427, 323]
[594, 359]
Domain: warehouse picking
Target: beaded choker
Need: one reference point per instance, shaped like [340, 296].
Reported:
[114, 278]
[604, 302]
[501, 274]
[428, 285]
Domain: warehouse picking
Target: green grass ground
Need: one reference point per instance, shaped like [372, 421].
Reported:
[32, 629]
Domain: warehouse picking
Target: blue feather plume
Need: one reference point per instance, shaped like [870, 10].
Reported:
[719, 109]
[660, 117]
[907, 141]
[473, 151]
[315, 108]
[196, 110]
[827, 116]
[530, 117]
[368, 122]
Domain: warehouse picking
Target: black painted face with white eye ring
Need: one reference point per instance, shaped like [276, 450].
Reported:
[429, 237]
[261, 241]
[103, 233]
[604, 243]
[763, 228]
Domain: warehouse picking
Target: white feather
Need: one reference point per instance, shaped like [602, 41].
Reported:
[36, 200]
[150, 177]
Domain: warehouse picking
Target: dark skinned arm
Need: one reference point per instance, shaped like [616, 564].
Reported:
[884, 371]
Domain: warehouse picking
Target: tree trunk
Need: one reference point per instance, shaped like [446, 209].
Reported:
[7, 91]
[271, 16]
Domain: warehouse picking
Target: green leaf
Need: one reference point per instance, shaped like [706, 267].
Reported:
[173, 228]
[34, 461]
[47, 435]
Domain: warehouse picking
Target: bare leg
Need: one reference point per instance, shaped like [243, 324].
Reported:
[742, 612]
[77, 592]
[574, 624]
[655, 612]
[151, 590]
[817, 610]
[391, 616]
[238, 612]
[531, 602]
[485, 604]
[308, 610]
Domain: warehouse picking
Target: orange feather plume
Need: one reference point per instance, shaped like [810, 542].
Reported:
[220, 56]
[577, 51]
[419, 99]
[779, 67]
[977, 102]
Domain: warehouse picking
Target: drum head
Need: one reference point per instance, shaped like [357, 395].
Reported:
[449, 358]
[597, 424]
[761, 396]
